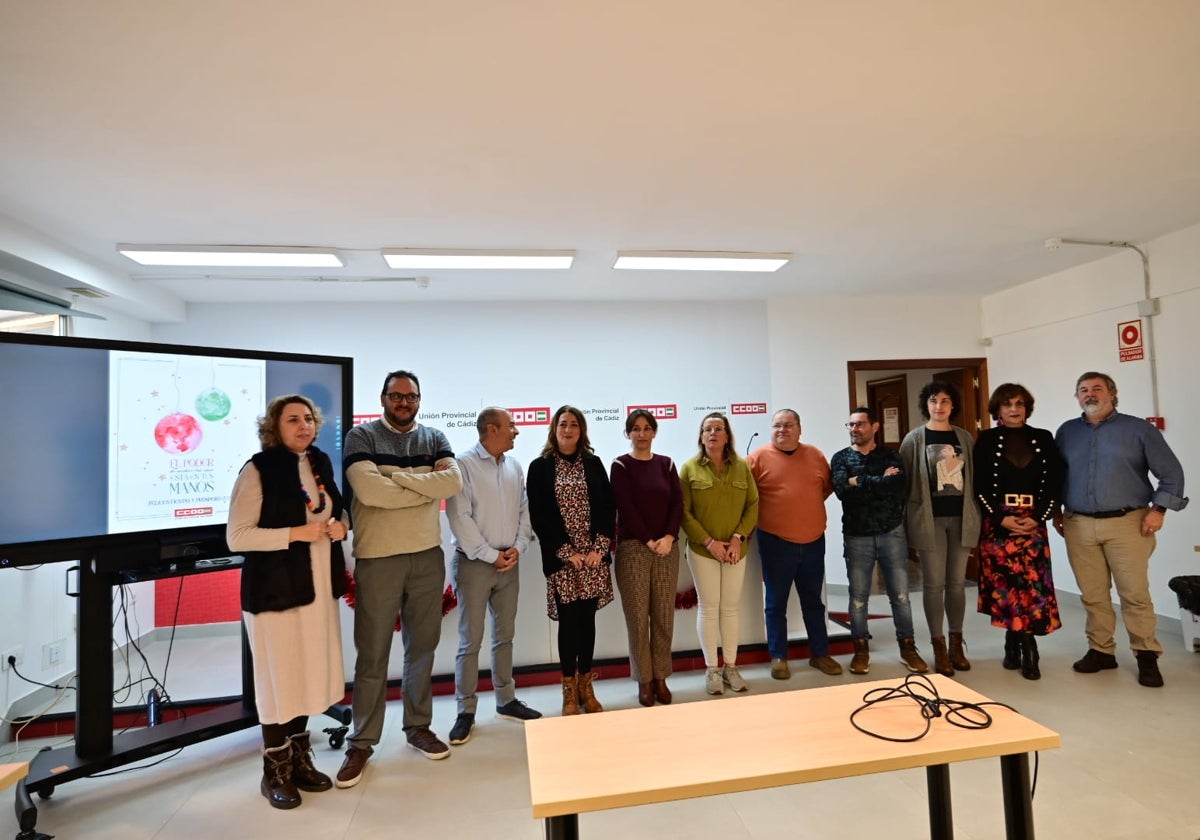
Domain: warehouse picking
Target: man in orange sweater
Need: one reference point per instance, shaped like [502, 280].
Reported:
[793, 483]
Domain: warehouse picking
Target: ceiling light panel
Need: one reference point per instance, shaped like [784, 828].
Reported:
[700, 261]
[232, 256]
[435, 258]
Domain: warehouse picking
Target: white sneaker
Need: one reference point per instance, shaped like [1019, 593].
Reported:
[713, 683]
[733, 678]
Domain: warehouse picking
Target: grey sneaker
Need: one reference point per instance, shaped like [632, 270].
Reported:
[713, 683]
[460, 733]
[733, 678]
[514, 710]
[427, 744]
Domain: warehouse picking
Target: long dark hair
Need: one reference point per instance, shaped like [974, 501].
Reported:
[551, 446]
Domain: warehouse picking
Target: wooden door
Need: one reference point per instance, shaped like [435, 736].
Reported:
[889, 399]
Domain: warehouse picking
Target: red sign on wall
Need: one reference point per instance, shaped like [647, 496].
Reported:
[748, 408]
[536, 416]
[1129, 341]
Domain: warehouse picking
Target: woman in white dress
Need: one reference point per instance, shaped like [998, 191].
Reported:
[286, 516]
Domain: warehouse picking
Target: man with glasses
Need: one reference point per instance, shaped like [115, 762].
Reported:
[870, 482]
[399, 472]
[793, 484]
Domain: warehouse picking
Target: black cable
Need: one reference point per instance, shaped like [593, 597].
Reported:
[13, 665]
[920, 690]
[139, 767]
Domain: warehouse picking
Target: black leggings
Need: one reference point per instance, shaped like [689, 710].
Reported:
[276, 734]
[577, 635]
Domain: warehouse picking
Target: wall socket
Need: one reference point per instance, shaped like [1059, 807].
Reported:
[18, 652]
[52, 653]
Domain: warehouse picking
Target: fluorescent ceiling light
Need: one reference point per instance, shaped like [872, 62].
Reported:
[232, 256]
[419, 258]
[700, 261]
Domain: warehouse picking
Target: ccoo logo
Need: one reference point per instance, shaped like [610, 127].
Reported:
[536, 416]
[659, 412]
[748, 408]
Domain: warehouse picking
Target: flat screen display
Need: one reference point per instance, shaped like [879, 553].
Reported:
[105, 442]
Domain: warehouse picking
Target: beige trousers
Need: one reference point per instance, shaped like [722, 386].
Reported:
[1107, 551]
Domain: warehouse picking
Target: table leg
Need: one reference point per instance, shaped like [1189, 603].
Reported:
[563, 827]
[941, 818]
[1018, 804]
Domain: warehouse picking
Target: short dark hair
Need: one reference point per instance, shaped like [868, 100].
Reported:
[551, 446]
[933, 388]
[791, 411]
[642, 414]
[400, 374]
[1006, 392]
[872, 417]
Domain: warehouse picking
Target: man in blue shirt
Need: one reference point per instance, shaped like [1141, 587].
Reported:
[490, 523]
[1111, 514]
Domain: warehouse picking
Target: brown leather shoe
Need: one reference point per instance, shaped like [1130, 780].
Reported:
[958, 654]
[355, 763]
[861, 663]
[780, 669]
[304, 773]
[276, 783]
[910, 657]
[941, 658]
[661, 693]
[587, 697]
[570, 690]
[645, 694]
[827, 665]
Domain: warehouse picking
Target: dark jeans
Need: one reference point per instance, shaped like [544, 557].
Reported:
[787, 564]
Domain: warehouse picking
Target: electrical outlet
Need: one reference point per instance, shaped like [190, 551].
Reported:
[17, 652]
[52, 653]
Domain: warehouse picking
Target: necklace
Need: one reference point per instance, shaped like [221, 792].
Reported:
[320, 506]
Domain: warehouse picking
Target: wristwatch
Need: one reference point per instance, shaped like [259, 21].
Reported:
[1158, 508]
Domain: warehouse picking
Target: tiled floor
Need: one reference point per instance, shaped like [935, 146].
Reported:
[1128, 770]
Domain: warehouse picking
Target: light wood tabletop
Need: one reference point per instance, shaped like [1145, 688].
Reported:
[10, 774]
[665, 753]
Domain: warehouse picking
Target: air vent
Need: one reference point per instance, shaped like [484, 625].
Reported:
[85, 291]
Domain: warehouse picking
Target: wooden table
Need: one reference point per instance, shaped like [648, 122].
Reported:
[664, 753]
[10, 774]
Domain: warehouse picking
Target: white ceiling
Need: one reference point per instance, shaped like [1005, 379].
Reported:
[893, 147]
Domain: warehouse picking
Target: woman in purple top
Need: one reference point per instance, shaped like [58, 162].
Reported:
[649, 513]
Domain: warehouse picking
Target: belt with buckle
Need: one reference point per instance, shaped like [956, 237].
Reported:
[1105, 514]
[1018, 500]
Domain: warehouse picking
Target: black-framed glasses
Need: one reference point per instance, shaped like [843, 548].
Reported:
[411, 399]
[854, 424]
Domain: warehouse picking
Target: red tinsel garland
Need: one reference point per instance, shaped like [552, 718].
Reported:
[687, 599]
[449, 600]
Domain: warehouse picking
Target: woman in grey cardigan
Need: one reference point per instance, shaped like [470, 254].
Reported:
[943, 517]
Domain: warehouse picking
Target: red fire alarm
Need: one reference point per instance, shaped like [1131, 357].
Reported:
[1159, 423]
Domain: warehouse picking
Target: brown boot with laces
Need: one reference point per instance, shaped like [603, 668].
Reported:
[941, 658]
[277, 784]
[958, 654]
[570, 691]
[861, 663]
[587, 697]
[910, 657]
[305, 775]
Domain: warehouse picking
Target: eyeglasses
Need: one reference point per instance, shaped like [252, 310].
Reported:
[411, 399]
[855, 424]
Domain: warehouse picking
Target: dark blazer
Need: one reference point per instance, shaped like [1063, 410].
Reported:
[547, 519]
[995, 477]
[273, 581]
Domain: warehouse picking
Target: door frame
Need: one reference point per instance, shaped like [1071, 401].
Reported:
[982, 393]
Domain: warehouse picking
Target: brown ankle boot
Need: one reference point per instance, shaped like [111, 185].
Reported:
[277, 783]
[941, 659]
[861, 663]
[587, 697]
[570, 696]
[661, 693]
[958, 656]
[910, 657]
[305, 775]
[645, 694]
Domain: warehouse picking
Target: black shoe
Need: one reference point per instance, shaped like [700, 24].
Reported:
[516, 710]
[460, 733]
[1029, 658]
[1012, 650]
[1148, 673]
[1094, 661]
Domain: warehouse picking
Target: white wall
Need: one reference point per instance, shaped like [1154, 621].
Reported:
[1046, 332]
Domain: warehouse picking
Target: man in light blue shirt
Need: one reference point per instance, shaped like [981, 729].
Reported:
[490, 523]
[1110, 518]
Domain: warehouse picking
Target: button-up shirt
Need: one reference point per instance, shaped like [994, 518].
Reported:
[1109, 465]
[491, 513]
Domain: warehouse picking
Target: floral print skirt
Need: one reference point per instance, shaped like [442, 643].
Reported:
[1016, 583]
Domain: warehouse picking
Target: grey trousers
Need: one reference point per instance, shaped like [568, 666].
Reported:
[410, 584]
[481, 589]
[944, 576]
